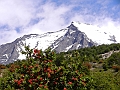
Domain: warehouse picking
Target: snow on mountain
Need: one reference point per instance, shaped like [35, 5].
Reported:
[45, 40]
[40, 41]
[77, 35]
[99, 35]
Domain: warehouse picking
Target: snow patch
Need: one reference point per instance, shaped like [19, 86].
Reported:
[69, 47]
[71, 31]
[6, 56]
[78, 46]
[40, 41]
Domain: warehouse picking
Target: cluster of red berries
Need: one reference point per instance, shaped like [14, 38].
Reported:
[18, 81]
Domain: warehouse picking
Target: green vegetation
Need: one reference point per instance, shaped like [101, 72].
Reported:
[83, 69]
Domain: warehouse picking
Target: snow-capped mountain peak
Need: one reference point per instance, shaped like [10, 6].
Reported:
[76, 35]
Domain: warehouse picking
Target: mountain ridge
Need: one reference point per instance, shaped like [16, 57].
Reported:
[72, 37]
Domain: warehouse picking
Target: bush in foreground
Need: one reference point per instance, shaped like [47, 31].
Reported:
[39, 72]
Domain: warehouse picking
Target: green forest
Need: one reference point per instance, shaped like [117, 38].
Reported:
[92, 68]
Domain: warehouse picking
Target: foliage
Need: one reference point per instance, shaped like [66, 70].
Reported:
[105, 81]
[114, 59]
[39, 72]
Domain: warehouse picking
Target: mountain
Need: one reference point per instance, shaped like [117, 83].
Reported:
[72, 39]
[75, 36]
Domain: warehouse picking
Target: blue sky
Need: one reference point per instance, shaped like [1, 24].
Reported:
[20, 17]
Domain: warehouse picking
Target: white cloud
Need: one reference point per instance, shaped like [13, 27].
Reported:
[16, 12]
[20, 13]
[53, 17]
[7, 36]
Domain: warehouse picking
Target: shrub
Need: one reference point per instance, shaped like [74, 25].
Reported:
[104, 81]
[39, 72]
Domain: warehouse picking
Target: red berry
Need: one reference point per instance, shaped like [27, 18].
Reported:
[19, 82]
[35, 50]
[49, 75]
[70, 83]
[41, 78]
[49, 70]
[30, 81]
[74, 78]
[40, 85]
[65, 89]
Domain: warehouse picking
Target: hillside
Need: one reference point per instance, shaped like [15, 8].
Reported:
[74, 70]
